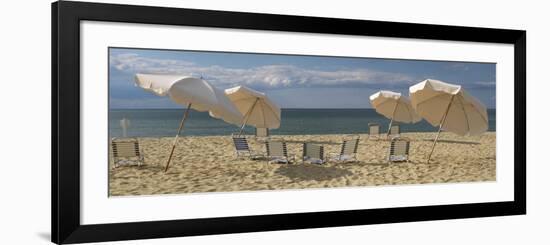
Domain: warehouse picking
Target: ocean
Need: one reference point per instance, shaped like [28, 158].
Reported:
[165, 122]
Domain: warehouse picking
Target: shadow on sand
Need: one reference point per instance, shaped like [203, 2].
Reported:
[383, 164]
[454, 142]
[156, 167]
[311, 172]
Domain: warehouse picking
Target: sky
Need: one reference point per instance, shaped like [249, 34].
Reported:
[291, 81]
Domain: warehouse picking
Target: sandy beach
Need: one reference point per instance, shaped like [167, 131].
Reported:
[209, 164]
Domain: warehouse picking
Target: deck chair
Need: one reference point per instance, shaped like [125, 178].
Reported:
[395, 131]
[374, 130]
[126, 151]
[277, 152]
[262, 132]
[242, 149]
[348, 152]
[313, 153]
[399, 150]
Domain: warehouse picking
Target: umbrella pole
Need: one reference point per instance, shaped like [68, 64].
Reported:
[440, 126]
[248, 115]
[391, 121]
[182, 123]
[435, 141]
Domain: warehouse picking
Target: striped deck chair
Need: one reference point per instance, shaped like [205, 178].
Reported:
[242, 149]
[374, 130]
[313, 153]
[277, 152]
[262, 132]
[395, 131]
[348, 152]
[399, 150]
[124, 150]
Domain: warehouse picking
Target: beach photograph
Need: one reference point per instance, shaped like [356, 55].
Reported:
[184, 121]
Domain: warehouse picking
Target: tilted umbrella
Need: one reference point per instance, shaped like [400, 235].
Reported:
[196, 93]
[257, 109]
[394, 106]
[450, 107]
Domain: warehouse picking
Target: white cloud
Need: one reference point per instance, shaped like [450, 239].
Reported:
[143, 103]
[481, 84]
[267, 76]
[134, 62]
[459, 67]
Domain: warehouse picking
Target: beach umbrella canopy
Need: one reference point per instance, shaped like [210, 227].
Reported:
[450, 107]
[394, 106]
[257, 109]
[187, 90]
[195, 93]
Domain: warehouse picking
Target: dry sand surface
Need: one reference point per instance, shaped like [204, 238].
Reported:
[209, 164]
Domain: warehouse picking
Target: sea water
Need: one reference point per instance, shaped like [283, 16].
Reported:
[165, 122]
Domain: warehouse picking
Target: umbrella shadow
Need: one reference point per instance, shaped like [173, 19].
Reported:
[455, 142]
[302, 172]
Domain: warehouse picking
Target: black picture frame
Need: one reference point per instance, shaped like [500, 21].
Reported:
[66, 18]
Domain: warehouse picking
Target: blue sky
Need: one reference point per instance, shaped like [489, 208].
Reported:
[291, 81]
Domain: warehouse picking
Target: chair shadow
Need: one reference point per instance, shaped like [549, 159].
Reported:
[154, 167]
[142, 167]
[380, 163]
[454, 142]
[301, 172]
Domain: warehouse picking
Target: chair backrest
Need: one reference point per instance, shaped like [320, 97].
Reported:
[349, 147]
[395, 129]
[276, 149]
[240, 143]
[374, 129]
[399, 149]
[262, 132]
[125, 148]
[311, 150]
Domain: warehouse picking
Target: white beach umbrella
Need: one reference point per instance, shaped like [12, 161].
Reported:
[394, 106]
[258, 110]
[450, 107]
[196, 93]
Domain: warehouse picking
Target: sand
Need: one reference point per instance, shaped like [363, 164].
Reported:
[209, 164]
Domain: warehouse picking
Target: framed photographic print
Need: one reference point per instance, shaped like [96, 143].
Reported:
[177, 122]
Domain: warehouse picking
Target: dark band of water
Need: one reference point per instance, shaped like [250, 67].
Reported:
[164, 122]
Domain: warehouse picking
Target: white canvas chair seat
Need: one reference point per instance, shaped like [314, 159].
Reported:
[374, 130]
[398, 158]
[277, 152]
[399, 150]
[242, 148]
[348, 152]
[126, 152]
[313, 153]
